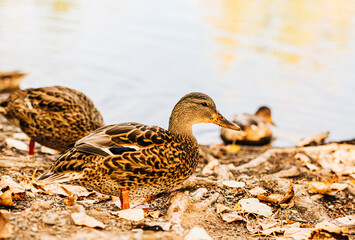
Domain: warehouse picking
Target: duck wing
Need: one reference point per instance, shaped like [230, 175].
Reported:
[111, 140]
[34, 103]
[56, 98]
[118, 138]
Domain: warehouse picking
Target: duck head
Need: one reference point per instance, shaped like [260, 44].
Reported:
[265, 112]
[196, 108]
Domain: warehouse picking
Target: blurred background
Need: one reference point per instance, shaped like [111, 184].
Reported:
[135, 59]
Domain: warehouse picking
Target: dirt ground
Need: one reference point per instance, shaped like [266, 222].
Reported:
[236, 193]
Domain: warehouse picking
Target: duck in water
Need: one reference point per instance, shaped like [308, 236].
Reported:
[254, 128]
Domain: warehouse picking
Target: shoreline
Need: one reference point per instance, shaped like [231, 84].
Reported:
[207, 202]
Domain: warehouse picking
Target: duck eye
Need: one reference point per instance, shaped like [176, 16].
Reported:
[204, 104]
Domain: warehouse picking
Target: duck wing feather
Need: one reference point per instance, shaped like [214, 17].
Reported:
[106, 145]
[108, 140]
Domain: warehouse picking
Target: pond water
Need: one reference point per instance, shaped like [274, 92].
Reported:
[137, 58]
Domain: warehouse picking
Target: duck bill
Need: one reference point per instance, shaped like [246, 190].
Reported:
[223, 122]
[269, 120]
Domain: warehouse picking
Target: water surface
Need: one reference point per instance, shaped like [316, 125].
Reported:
[137, 58]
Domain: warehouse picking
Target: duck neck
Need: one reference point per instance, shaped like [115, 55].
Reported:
[180, 124]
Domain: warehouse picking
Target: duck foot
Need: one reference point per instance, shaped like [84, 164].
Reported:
[124, 199]
[31, 148]
[145, 207]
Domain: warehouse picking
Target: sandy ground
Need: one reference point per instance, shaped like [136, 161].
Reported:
[235, 193]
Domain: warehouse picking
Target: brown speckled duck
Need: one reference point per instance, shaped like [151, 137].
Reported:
[52, 116]
[254, 128]
[10, 81]
[136, 160]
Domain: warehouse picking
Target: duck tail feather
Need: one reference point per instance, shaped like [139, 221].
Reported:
[52, 177]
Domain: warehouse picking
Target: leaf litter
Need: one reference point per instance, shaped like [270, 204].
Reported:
[291, 193]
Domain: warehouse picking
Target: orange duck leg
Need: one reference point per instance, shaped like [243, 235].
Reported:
[124, 199]
[31, 148]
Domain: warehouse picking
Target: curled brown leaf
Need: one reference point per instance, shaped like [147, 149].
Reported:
[6, 199]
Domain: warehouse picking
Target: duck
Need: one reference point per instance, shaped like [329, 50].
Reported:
[10, 81]
[133, 160]
[255, 128]
[55, 116]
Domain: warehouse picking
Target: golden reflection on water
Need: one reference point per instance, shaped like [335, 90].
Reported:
[235, 18]
[296, 23]
[61, 5]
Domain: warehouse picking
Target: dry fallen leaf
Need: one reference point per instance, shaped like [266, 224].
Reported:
[6, 199]
[232, 217]
[339, 186]
[6, 181]
[20, 136]
[312, 167]
[253, 205]
[313, 140]
[197, 233]
[327, 187]
[273, 198]
[5, 227]
[253, 226]
[233, 184]
[237, 207]
[347, 221]
[198, 194]
[341, 163]
[130, 214]
[330, 227]
[270, 225]
[290, 193]
[70, 200]
[319, 187]
[321, 234]
[208, 169]
[296, 232]
[81, 218]
[220, 208]
[256, 191]
[278, 199]
[271, 231]
[20, 196]
[287, 173]
[19, 145]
